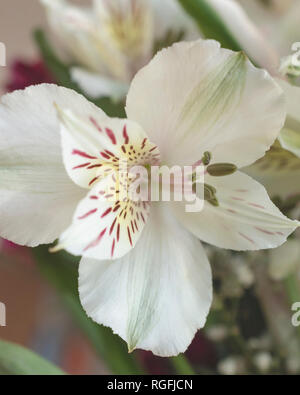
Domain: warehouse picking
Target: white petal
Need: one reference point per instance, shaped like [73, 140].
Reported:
[91, 141]
[285, 260]
[245, 219]
[278, 171]
[251, 39]
[78, 29]
[290, 135]
[126, 27]
[198, 97]
[158, 295]
[97, 86]
[37, 198]
[105, 227]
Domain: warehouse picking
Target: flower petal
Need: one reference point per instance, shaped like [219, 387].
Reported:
[104, 226]
[290, 135]
[78, 29]
[250, 38]
[157, 296]
[91, 141]
[199, 97]
[37, 198]
[245, 219]
[97, 86]
[277, 171]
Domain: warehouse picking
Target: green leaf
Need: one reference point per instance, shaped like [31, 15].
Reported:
[210, 23]
[181, 365]
[61, 270]
[61, 74]
[17, 360]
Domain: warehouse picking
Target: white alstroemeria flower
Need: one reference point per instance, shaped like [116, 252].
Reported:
[144, 272]
[113, 39]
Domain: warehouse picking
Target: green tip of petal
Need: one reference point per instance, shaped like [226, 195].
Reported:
[56, 248]
[131, 348]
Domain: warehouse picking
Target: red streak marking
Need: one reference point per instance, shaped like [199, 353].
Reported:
[112, 226]
[280, 233]
[136, 225]
[265, 231]
[113, 248]
[93, 166]
[102, 192]
[94, 197]
[106, 212]
[231, 211]
[144, 142]
[88, 214]
[123, 149]
[129, 235]
[111, 135]
[118, 232]
[237, 198]
[152, 149]
[116, 208]
[93, 180]
[80, 166]
[95, 123]
[256, 205]
[83, 154]
[125, 135]
[143, 218]
[137, 216]
[105, 155]
[247, 238]
[95, 242]
[109, 153]
[132, 227]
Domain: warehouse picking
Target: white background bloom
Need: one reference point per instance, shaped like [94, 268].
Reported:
[112, 39]
[144, 274]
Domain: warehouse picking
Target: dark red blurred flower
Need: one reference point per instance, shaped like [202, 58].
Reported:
[23, 74]
[202, 352]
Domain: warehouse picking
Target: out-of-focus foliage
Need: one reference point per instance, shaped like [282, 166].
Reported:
[17, 360]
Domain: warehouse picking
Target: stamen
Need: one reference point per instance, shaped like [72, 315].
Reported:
[206, 158]
[221, 169]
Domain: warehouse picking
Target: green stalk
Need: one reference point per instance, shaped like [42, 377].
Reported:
[181, 365]
[210, 23]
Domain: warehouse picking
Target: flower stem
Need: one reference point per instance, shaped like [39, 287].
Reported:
[181, 365]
